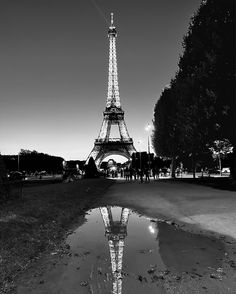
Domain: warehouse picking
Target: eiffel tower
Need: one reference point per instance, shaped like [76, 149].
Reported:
[116, 231]
[113, 114]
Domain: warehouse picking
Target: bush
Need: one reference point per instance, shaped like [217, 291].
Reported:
[91, 169]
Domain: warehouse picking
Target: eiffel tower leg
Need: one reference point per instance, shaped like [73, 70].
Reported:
[98, 153]
[123, 130]
[105, 217]
[124, 216]
[103, 130]
[116, 255]
[110, 214]
[108, 130]
[94, 154]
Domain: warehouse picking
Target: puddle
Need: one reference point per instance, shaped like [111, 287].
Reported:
[117, 251]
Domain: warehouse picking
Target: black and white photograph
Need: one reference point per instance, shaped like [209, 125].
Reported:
[117, 147]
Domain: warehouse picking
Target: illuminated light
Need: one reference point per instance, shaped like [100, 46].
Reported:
[151, 229]
[113, 114]
[148, 127]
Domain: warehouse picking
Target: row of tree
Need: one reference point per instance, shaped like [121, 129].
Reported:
[32, 161]
[197, 110]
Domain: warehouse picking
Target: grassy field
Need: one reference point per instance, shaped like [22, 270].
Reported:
[37, 223]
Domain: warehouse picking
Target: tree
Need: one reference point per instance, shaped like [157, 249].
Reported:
[220, 150]
[195, 114]
[166, 136]
[207, 68]
[31, 161]
[203, 90]
[91, 169]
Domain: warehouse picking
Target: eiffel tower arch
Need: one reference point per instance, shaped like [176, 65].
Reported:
[113, 115]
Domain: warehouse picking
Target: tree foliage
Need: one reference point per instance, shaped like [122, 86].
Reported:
[32, 161]
[198, 107]
[91, 169]
[166, 127]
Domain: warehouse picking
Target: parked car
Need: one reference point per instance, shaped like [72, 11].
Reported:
[225, 170]
[16, 176]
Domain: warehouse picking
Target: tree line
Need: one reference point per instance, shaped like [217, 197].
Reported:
[197, 109]
[32, 161]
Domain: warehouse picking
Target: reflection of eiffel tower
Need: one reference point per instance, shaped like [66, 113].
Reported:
[116, 231]
[113, 114]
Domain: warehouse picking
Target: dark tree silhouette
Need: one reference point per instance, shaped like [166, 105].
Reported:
[203, 89]
[91, 169]
[166, 130]
[31, 161]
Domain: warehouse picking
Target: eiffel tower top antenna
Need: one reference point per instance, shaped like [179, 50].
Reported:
[112, 20]
[113, 95]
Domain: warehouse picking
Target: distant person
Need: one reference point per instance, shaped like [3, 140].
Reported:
[126, 174]
[155, 173]
[177, 171]
[141, 175]
[147, 175]
[113, 173]
[131, 174]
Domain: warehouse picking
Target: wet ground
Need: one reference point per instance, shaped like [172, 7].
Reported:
[116, 250]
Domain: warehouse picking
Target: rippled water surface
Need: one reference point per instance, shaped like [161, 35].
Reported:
[117, 251]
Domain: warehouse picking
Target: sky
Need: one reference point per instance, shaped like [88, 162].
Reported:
[54, 69]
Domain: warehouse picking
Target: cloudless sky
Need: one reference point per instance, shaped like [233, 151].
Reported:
[54, 68]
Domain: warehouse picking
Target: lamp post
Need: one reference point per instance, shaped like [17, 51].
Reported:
[140, 162]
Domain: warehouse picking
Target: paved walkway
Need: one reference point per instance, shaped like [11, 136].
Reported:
[205, 207]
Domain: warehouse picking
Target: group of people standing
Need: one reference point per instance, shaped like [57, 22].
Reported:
[140, 174]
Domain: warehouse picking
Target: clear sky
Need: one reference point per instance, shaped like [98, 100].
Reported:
[54, 68]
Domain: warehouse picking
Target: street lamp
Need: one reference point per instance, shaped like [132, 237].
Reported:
[140, 163]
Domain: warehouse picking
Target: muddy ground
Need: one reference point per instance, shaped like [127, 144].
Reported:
[37, 223]
[196, 234]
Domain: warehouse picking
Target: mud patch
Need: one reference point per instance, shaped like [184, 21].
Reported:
[118, 251]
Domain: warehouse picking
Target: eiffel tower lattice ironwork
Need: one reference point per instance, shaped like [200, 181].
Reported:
[116, 231]
[113, 114]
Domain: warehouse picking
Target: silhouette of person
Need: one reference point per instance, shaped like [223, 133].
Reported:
[141, 175]
[146, 171]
